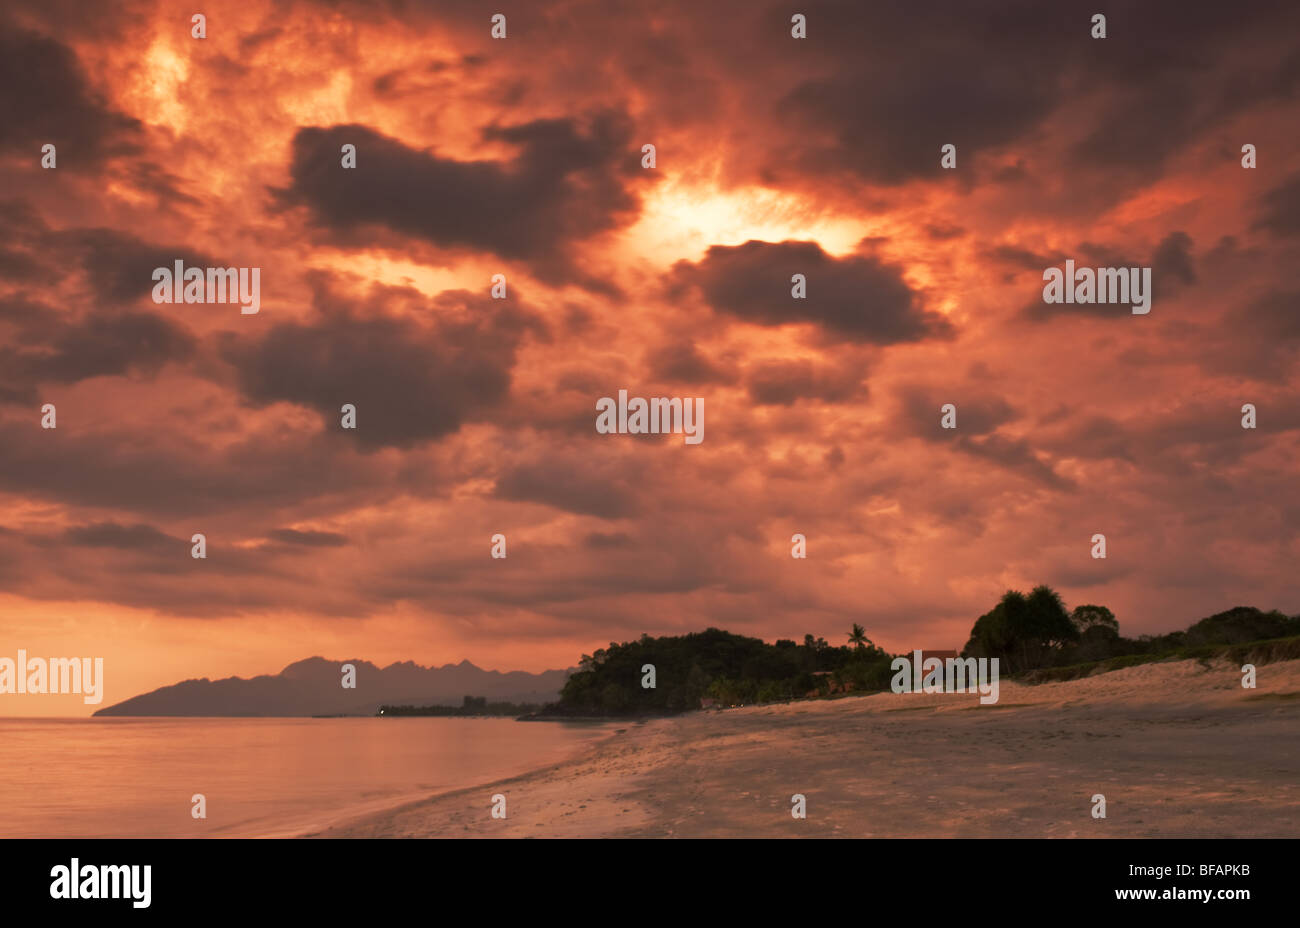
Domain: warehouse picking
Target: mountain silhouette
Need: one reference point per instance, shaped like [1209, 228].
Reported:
[314, 687]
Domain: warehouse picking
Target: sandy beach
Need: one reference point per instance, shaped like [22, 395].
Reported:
[1178, 749]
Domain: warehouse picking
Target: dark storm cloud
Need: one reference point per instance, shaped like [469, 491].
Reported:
[309, 539]
[1142, 127]
[783, 383]
[858, 298]
[584, 486]
[1013, 454]
[1274, 316]
[138, 537]
[942, 232]
[1022, 258]
[909, 78]
[1280, 209]
[904, 79]
[1100, 437]
[682, 362]
[140, 566]
[52, 347]
[1215, 429]
[106, 345]
[47, 345]
[24, 245]
[120, 266]
[1258, 340]
[1173, 71]
[979, 416]
[410, 380]
[166, 187]
[46, 100]
[563, 186]
[136, 472]
[1172, 263]
[28, 316]
[978, 412]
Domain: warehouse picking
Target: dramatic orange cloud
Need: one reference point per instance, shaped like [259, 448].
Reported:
[523, 157]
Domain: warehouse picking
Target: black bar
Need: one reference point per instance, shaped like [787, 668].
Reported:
[472, 880]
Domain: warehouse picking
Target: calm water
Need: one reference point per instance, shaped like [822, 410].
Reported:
[126, 777]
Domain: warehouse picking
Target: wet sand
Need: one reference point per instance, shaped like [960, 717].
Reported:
[1177, 749]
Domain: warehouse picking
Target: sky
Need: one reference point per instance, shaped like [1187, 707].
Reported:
[523, 156]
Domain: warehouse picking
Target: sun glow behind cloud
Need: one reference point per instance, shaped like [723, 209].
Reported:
[681, 221]
[156, 94]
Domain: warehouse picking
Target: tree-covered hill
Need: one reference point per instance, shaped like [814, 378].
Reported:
[718, 665]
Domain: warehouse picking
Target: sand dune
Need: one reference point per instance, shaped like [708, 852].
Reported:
[1177, 749]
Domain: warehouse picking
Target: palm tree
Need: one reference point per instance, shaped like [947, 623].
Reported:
[858, 637]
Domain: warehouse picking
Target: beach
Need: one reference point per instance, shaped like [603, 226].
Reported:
[1178, 749]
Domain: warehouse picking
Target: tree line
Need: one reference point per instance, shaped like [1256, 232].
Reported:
[1026, 632]
[1035, 631]
[472, 705]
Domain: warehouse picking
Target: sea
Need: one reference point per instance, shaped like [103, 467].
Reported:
[259, 777]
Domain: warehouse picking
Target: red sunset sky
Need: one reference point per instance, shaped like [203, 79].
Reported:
[522, 156]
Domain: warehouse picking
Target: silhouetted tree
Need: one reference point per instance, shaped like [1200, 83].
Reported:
[1023, 631]
[1086, 617]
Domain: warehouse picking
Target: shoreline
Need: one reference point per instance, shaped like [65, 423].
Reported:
[473, 801]
[325, 825]
[1178, 749]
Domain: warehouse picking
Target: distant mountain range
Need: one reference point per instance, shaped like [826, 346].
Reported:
[314, 687]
